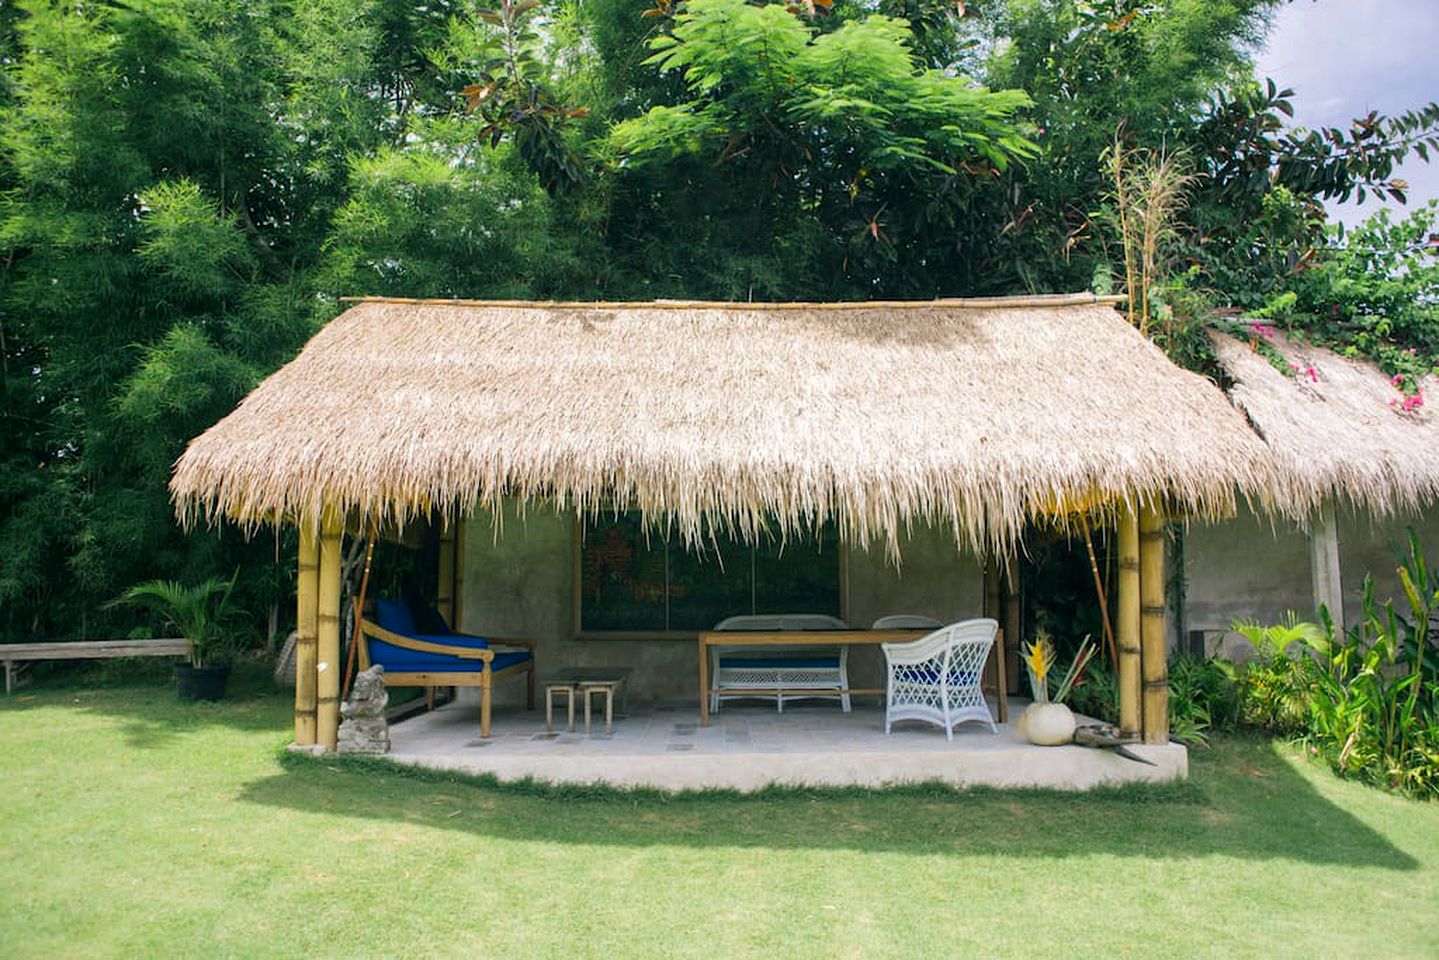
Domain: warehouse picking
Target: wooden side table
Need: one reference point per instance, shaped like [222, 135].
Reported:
[583, 682]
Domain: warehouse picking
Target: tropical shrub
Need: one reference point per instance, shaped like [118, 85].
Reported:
[1204, 695]
[1366, 700]
[1374, 706]
[1275, 685]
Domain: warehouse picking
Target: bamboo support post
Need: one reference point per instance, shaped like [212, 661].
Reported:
[1153, 655]
[306, 605]
[1128, 622]
[327, 663]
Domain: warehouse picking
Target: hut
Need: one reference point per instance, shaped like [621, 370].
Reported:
[1354, 467]
[919, 437]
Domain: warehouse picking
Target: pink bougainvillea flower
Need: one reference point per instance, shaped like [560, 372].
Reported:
[1396, 380]
[1262, 329]
[1312, 374]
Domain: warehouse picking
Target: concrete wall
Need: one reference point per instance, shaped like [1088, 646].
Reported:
[521, 583]
[1253, 568]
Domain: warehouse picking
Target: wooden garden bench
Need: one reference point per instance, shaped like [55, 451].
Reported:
[17, 653]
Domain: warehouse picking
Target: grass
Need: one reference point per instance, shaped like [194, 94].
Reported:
[134, 825]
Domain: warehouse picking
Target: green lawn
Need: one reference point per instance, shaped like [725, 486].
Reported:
[132, 825]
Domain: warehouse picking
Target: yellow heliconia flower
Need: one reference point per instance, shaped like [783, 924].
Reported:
[1039, 656]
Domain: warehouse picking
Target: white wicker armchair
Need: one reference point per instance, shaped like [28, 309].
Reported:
[937, 677]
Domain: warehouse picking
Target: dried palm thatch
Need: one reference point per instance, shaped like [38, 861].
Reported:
[726, 417]
[1336, 432]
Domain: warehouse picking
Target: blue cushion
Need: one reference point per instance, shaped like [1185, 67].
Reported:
[394, 615]
[434, 663]
[387, 653]
[962, 678]
[772, 663]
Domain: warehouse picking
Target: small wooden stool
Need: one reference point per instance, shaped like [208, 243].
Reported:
[568, 688]
[583, 681]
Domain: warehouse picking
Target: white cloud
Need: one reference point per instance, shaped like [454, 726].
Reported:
[1346, 57]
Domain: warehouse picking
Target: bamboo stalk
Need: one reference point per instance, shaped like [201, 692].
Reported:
[356, 639]
[1099, 591]
[327, 663]
[1153, 655]
[306, 600]
[1128, 616]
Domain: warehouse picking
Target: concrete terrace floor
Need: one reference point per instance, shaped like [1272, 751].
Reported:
[750, 745]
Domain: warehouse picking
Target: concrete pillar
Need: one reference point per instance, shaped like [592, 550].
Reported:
[1324, 563]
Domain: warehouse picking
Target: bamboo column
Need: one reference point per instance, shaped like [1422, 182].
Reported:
[1127, 622]
[1155, 668]
[445, 580]
[327, 666]
[305, 626]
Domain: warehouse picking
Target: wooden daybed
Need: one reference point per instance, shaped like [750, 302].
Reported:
[430, 660]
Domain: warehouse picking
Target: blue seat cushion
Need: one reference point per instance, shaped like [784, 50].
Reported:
[429, 663]
[775, 663]
[395, 616]
[391, 657]
[962, 678]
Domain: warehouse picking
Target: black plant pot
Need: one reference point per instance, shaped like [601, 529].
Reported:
[201, 683]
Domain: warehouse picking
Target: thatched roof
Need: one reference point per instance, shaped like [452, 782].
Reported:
[974, 413]
[1339, 431]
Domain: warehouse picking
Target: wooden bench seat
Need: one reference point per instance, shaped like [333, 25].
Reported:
[16, 653]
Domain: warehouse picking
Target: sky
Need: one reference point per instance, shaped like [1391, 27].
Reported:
[1344, 58]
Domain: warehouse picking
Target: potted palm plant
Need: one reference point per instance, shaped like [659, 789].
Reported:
[203, 616]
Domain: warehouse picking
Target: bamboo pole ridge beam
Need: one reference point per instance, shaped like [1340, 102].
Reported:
[1153, 653]
[327, 664]
[306, 607]
[1127, 622]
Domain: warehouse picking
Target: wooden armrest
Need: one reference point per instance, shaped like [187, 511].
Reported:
[378, 632]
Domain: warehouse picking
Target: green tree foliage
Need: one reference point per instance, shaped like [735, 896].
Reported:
[1372, 292]
[837, 157]
[188, 186]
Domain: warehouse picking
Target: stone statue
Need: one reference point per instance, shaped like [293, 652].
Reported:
[363, 728]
